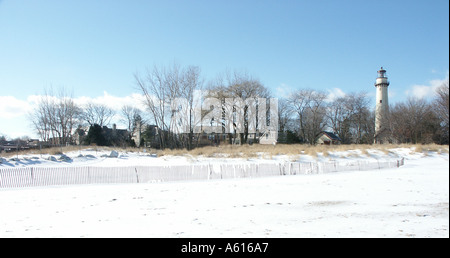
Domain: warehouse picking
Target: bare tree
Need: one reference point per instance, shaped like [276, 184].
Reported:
[242, 99]
[246, 93]
[191, 84]
[132, 117]
[315, 116]
[413, 121]
[40, 119]
[357, 105]
[299, 101]
[162, 87]
[284, 115]
[400, 130]
[55, 117]
[350, 118]
[441, 107]
[368, 127]
[153, 89]
[309, 106]
[67, 117]
[129, 115]
[100, 114]
[339, 113]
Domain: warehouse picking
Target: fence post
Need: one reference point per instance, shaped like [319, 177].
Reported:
[137, 176]
[209, 171]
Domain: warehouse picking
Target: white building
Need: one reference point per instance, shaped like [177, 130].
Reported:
[382, 129]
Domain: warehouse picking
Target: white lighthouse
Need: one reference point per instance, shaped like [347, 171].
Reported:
[382, 129]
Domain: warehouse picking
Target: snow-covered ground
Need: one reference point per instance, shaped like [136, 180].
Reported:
[102, 158]
[410, 201]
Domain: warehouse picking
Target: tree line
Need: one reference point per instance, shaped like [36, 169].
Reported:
[307, 112]
[301, 115]
[421, 121]
[56, 118]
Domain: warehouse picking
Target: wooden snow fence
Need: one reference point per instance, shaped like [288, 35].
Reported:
[47, 176]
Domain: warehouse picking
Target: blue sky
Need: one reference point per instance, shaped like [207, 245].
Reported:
[93, 48]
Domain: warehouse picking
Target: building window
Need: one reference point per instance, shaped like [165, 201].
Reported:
[381, 100]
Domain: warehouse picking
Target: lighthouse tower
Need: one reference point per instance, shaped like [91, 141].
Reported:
[382, 131]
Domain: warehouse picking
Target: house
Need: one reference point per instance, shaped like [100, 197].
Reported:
[327, 138]
[17, 145]
[114, 136]
[103, 136]
[79, 134]
[146, 135]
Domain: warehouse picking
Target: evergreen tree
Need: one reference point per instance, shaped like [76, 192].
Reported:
[95, 136]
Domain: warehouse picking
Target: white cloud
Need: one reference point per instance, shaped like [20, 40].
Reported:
[283, 91]
[392, 93]
[16, 127]
[425, 91]
[113, 102]
[420, 91]
[11, 107]
[334, 94]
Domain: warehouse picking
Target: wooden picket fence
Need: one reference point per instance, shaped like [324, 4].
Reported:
[47, 176]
